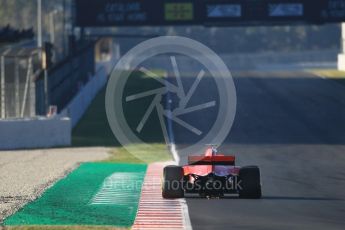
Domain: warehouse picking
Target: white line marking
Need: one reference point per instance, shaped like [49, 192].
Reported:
[174, 153]
[318, 75]
[162, 123]
[186, 220]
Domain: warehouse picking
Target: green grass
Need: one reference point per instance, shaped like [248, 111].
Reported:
[333, 74]
[62, 228]
[93, 129]
[140, 154]
[329, 73]
[70, 200]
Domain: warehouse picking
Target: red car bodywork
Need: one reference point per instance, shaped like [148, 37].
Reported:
[211, 175]
[219, 164]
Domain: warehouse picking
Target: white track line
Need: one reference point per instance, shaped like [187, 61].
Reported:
[172, 147]
[174, 153]
[186, 220]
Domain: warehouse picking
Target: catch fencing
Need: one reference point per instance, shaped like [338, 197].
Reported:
[18, 70]
[22, 84]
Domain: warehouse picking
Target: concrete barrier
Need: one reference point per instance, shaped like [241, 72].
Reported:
[40, 132]
[43, 132]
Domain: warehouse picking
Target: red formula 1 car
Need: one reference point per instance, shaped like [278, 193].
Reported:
[211, 175]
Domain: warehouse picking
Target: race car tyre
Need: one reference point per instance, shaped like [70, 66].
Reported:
[250, 186]
[172, 186]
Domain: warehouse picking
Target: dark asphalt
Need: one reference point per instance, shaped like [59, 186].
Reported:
[292, 125]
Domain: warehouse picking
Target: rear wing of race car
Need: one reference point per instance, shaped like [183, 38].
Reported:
[211, 160]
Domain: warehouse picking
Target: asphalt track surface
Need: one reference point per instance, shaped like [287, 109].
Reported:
[292, 125]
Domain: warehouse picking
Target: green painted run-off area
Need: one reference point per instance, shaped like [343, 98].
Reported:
[93, 194]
